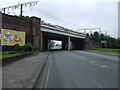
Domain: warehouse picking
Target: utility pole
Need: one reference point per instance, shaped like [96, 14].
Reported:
[85, 31]
[91, 29]
[19, 6]
[4, 10]
[100, 37]
[21, 9]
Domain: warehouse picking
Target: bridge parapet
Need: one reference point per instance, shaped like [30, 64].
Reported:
[60, 28]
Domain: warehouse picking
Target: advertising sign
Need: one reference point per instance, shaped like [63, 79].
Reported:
[10, 37]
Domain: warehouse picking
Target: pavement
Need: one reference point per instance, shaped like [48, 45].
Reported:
[23, 73]
[80, 69]
[0, 71]
[0, 76]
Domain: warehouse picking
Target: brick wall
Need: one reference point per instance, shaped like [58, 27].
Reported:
[15, 23]
[30, 26]
[90, 43]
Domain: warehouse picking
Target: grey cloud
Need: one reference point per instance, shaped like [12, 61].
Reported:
[79, 14]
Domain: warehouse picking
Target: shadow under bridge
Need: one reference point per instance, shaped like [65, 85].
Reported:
[68, 43]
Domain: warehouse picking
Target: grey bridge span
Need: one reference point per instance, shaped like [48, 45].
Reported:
[70, 39]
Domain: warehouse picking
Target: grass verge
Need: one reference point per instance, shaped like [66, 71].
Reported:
[106, 50]
[34, 53]
[8, 55]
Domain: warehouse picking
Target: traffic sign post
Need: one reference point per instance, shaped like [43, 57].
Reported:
[104, 42]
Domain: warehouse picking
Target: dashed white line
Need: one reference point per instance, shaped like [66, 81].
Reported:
[47, 77]
[112, 65]
[98, 85]
[103, 66]
[97, 54]
[93, 63]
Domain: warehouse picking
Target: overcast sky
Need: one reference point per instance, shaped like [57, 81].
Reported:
[73, 14]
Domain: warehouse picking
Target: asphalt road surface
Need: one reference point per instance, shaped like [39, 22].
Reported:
[79, 69]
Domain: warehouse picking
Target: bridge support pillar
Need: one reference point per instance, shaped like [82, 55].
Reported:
[44, 44]
[69, 43]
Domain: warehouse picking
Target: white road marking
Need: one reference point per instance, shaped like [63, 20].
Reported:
[112, 65]
[103, 66]
[97, 54]
[97, 61]
[46, 83]
[98, 85]
[96, 64]
[43, 80]
[93, 63]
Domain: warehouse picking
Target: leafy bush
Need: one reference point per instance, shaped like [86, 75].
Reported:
[17, 47]
[36, 49]
[28, 47]
[23, 17]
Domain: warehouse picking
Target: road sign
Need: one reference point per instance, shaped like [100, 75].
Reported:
[103, 41]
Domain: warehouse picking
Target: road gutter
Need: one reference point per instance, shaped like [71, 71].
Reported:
[42, 69]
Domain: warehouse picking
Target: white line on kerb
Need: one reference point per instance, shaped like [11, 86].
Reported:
[47, 76]
[43, 80]
[98, 85]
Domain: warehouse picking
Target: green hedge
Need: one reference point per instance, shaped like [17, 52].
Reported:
[26, 47]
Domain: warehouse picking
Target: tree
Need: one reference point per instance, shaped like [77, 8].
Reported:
[96, 36]
[111, 42]
[118, 43]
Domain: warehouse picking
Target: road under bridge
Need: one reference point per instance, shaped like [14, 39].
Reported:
[70, 39]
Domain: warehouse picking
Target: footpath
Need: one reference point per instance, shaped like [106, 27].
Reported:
[23, 73]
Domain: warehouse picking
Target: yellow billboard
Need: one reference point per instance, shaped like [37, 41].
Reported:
[10, 37]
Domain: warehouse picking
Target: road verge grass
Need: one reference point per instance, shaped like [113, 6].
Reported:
[8, 55]
[13, 54]
[117, 51]
[34, 53]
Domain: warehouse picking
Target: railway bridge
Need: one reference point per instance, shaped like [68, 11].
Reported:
[70, 39]
[39, 32]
